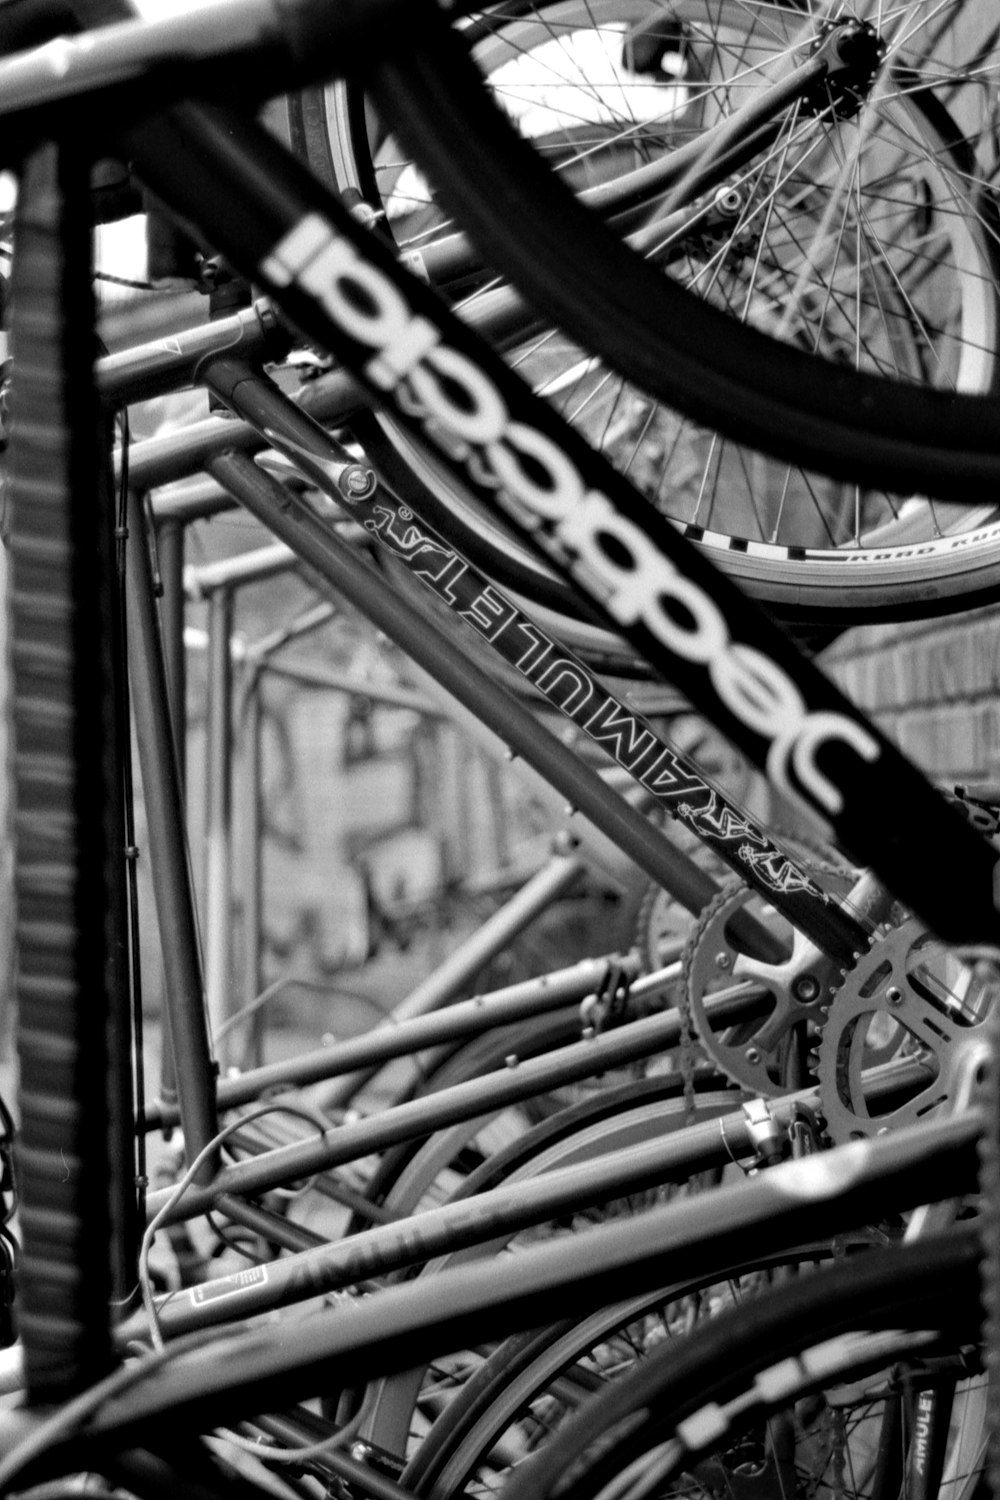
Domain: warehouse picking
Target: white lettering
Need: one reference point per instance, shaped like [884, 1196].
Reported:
[552, 489]
[758, 691]
[479, 416]
[461, 406]
[364, 303]
[296, 250]
[800, 747]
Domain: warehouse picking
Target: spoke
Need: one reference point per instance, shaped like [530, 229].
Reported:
[868, 239]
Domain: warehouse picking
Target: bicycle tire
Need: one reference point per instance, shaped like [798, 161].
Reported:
[678, 1409]
[918, 562]
[75, 1158]
[406, 1164]
[534, 1381]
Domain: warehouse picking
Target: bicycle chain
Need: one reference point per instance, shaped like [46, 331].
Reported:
[662, 921]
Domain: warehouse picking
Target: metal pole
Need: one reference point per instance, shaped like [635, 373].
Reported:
[183, 1002]
[170, 536]
[219, 808]
[437, 653]
[307, 674]
[252, 857]
[232, 572]
[516, 1002]
[453, 976]
[170, 550]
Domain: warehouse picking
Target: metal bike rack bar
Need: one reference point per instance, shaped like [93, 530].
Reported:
[351, 576]
[416, 1117]
[516, 1002]
[452, 977]
[248, 718]
[218, 582]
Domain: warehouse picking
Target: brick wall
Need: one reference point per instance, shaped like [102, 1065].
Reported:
[932, 687]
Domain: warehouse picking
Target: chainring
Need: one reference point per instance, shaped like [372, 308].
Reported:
[790, 997]
[664, 927]
[908, 1003]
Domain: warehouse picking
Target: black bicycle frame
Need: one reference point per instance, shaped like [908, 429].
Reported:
[281, 229]
[665, 775]
[554, 671]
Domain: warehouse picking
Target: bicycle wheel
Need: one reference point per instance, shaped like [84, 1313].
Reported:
[75, 1156]
[534, 1383]
[864, 233]
[796, 1388]
[399, 1409]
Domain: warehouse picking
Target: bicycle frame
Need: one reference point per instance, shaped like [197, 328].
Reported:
[732, 663]
[495, 623]
[554, 671]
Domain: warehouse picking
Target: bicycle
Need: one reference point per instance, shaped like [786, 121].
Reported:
[962, 841]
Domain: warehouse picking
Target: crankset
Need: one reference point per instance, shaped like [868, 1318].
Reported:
[897, 1037]
[786, 1001]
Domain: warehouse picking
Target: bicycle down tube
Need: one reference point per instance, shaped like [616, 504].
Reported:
[345, 290]
[624, 1166]
[568, 685]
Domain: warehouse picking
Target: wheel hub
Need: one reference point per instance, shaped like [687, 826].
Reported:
[853, 52]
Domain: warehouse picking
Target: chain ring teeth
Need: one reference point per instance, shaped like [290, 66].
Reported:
[737, 1053]
[880, 984]
[662, 920]
[662, 923]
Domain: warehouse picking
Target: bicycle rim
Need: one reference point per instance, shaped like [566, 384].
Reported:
[869, 240]
[535, 1383]
[798, 1387]
[399, 1408]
